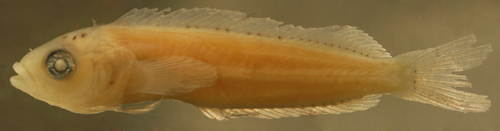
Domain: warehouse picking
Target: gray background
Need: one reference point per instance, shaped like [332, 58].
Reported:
[400, 26]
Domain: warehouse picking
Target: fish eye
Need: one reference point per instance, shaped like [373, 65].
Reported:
[60, 64]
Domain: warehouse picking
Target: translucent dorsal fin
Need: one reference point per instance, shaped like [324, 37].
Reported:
[355, 104]
[344, 38]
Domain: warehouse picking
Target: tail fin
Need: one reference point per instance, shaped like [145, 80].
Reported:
[433, 81]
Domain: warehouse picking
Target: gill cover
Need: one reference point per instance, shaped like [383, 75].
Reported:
[105, 75]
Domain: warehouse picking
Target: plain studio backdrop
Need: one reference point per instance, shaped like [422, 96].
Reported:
[399, 26]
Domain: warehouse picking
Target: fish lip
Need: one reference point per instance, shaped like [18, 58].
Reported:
[18, 68]
[23, 78]
[16, 81]
[21, 70]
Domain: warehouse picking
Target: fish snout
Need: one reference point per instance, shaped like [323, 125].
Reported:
[22, 79]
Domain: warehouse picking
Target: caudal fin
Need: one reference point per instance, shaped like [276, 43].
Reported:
[432, 78]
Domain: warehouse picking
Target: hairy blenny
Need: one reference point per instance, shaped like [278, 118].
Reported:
[230, 65]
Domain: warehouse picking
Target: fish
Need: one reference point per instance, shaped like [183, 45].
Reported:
[230, 65]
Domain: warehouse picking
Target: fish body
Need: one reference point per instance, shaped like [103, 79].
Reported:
[231, 66]
[252, 70]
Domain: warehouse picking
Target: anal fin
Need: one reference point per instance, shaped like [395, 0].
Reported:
[136, 108]
[354, 104]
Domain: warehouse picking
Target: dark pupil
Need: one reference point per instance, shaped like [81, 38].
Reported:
[60, 64]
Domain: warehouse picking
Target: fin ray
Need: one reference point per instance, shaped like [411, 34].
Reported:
[355, 104]
[432, 78]
[346, 39]
[175, 74]
[136, 108]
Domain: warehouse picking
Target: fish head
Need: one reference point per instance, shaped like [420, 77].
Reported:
[78, 71]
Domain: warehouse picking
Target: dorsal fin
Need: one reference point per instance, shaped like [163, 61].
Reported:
[354, 104]
[344, 38]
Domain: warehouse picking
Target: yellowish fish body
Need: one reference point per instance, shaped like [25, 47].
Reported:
[293, 75]
[231, 66]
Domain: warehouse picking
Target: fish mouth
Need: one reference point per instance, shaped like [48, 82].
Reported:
[21, 80]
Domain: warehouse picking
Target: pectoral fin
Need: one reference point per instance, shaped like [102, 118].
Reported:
[174, 75]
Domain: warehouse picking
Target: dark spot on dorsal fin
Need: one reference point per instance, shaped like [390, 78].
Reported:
[84, 34]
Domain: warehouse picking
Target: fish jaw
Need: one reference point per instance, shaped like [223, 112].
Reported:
[23, 81]
[17, 81]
